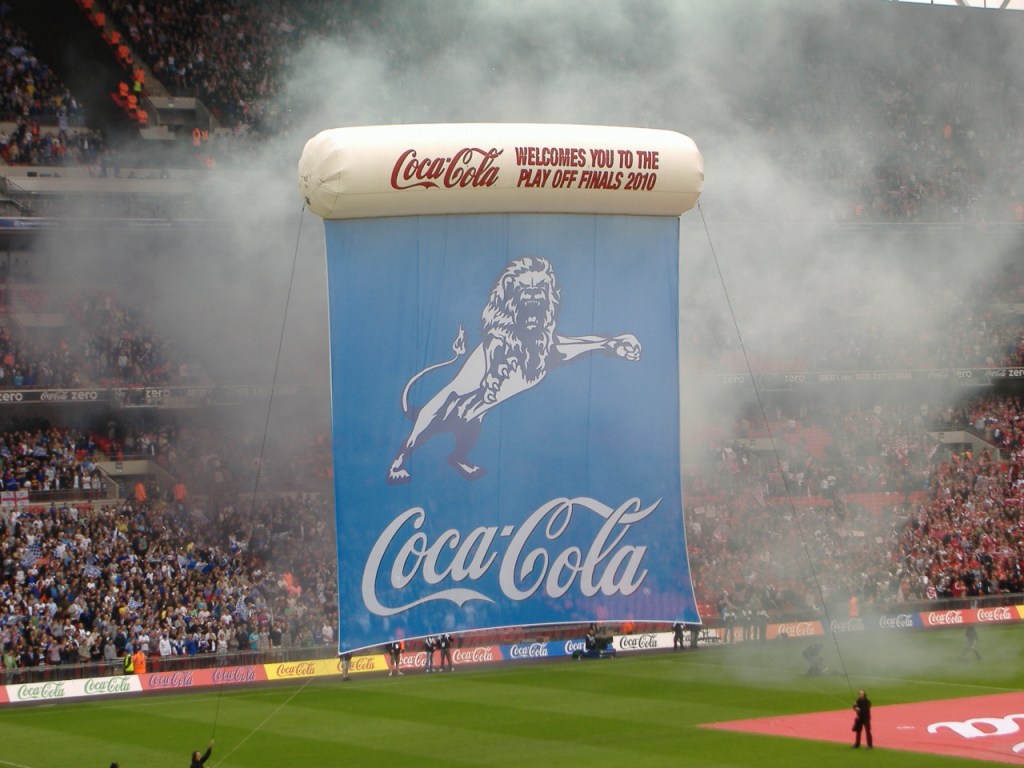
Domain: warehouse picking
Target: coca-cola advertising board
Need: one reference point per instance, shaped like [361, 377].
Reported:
[66, 690]
[286, 670]
[475, 654]
[409, 170]
[999, 614]
[900, 621]
[197, 678]
[647, 641]
[532, 651]
[799, 629]
[505, 386]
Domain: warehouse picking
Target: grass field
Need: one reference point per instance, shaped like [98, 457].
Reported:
[640, 710]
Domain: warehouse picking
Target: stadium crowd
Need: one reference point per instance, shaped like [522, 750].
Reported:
[225, 53]
[49, 460]
[973, 326]
[125, 349]
[964, 540]
[882, 511]
[932, 152]
[931, 158]
[858, 499]
[169, 573]
[231, 55]
[104, 340]
[99, 341]
[892, 517]
[29, 89]
[44, 116]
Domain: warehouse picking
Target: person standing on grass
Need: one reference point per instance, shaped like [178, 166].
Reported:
[429, 643]
[346, 664]
[862, 709]
[444, 643]
[395, 658]
[971, 644]
[677, 636]
[197, 760]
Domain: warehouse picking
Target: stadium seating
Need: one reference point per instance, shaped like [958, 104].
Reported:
[861, 499]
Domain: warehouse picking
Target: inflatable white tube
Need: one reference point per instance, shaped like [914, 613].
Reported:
[410, 170]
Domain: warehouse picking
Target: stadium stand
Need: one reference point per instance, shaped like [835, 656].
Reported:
[893, 496]
[243, 579]
[54, 337]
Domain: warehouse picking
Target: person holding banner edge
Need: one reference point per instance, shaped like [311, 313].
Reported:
[198, 760]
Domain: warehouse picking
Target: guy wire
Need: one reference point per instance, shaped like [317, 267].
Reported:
[267, 719]
[775, 453]
[270, 403]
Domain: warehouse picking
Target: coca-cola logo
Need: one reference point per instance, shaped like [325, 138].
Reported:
[413, 661]
[944, 618]
[298, 669]
[171, 680]
[105, 685]
[363, 664]
[850, 625]
[528, 651]
[899, 621]
[607, 566]
[40, 691]
[1001, 613]
[62, 395]
[638, 642]
[233, 675]
[797, 629]
[473, 655]
[572, 646]
[468, 167]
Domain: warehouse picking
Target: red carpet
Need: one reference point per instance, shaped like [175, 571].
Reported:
[981, 727]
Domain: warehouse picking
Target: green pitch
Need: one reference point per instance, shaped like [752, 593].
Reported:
[639, 710]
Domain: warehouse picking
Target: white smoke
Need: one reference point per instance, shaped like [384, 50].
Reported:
[773, 93]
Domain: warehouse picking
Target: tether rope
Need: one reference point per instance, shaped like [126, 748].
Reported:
[266, 427]
[775, 453]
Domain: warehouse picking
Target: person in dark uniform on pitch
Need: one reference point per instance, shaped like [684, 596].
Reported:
[429, 644]
[862, 710]
[971, 644]
[346, 665]
[395, 658]
[198, 760]
[815, 660]
[444, 643]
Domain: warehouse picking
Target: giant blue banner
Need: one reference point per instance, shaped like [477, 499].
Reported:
[506, 422]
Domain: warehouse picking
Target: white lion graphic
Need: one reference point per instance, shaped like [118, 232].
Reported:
[519, 345]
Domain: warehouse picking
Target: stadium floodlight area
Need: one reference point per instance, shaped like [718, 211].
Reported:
[503, 313]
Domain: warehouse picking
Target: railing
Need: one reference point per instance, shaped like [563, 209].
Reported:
[49, 120]
[50, 672]
[47, 672]
[106, 492]
[16, 195]
[892, 608]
